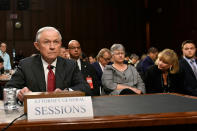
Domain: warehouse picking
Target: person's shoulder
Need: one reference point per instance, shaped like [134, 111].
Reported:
[145, 60]
[66, 61]
[182, 59]
[31, 58]
[182, 62]
[7, 55]
[28, 61]
[132, 68]
[153, 69]
[87, 65]
[109, 67]
[84, 62]
[95, 63]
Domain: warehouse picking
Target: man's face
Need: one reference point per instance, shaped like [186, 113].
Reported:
[91, 59]
[74, 50]
[134, 60]
[105, 59]
[49, 45]
[67, 54]
[3, 47]
[118, 56]
[153, 56]
[189, 50]
[63, 52]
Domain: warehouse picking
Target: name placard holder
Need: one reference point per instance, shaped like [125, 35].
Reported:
[44, 105]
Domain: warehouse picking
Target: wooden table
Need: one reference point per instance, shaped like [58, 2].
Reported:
[154, 112]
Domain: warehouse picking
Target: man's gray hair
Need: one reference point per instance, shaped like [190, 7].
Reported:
[134, 56]
[44, 29]
[117, 47]
[102, 51]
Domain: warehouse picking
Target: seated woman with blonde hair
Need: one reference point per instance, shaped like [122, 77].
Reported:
[163, 77]
[120, 78]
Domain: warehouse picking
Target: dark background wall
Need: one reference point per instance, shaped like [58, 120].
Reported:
[100, 23]
[95, 23]
[171, 22]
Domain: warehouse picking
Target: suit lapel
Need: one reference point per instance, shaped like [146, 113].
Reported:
[100, 69]
[83, 66]
[38, 71]
[189, 68]
[59, 74]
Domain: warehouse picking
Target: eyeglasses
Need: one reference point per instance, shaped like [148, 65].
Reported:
[119, 53]
[106, 59]
[74, 48]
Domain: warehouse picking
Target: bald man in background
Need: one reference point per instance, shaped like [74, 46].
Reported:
[87, 70]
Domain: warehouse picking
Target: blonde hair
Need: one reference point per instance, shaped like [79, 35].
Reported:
[170, 57]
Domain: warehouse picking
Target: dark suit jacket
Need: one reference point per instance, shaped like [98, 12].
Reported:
[99, 72]
[144, 65]
[30, 73]
[88, 70]
[189, 79]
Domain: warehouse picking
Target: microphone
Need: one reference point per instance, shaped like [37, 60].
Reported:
[52, 67]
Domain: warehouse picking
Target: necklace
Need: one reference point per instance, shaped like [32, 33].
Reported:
[166, 88]
[120, 67]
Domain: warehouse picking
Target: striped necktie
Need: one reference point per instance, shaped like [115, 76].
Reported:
[194, 67]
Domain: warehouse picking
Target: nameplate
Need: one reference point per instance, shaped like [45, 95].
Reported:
[60, 107]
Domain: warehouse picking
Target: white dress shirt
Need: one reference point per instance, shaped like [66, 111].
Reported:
[79, 64]
[188, 60]
[102, 67]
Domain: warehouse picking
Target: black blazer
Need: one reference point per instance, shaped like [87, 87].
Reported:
[189, 79]
[30, 73]
[153, 81]
[88, 70]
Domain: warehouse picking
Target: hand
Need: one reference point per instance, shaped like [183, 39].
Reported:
[20, 94]
[137, 91]
[58, 90]
[4, 76]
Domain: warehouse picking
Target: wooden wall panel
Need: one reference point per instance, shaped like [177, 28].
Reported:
[3, 25]
[95, 23]
[176, 22]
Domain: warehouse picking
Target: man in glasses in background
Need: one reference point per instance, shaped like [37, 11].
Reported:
[103, 59]
[86, 68]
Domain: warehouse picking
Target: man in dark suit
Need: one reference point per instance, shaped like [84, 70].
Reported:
[103, 58]
[33, 72]
[188, 68]
[87, 70]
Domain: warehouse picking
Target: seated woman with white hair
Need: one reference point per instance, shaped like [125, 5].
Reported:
[120, 78]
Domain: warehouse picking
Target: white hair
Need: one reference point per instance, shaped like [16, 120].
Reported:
[116, 47]
[44, 29]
